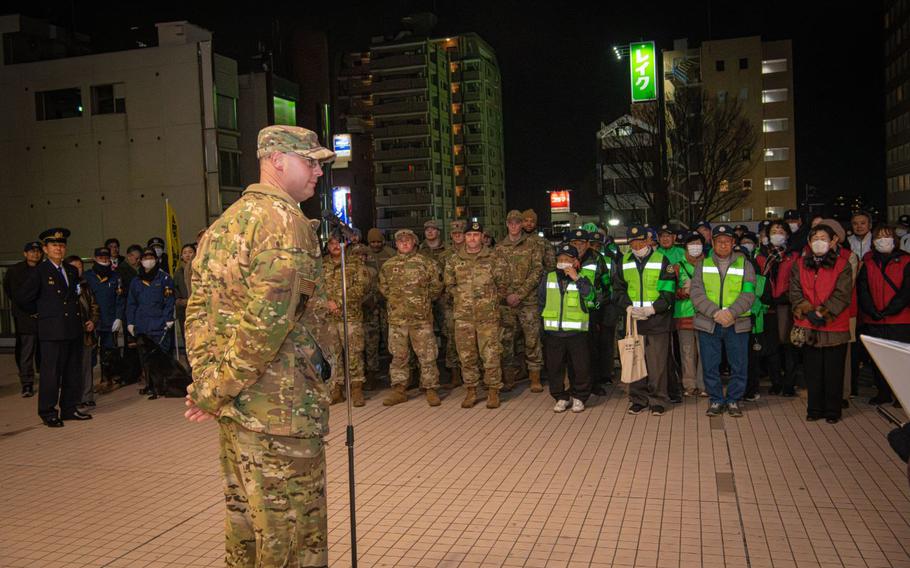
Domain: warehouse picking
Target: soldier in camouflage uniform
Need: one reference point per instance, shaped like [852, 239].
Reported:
[370, 315]
[375, 321]
[433, 248]
[358, 282]
[256, 343]
[410, 282]
[547, 251]
[478, 280]
[453, 363]
[520, 312]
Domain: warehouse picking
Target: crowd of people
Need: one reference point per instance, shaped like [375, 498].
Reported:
[71, 321]
[718, 308]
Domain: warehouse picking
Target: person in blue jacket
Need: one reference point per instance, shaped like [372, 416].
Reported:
[107, 286]
[150, 309]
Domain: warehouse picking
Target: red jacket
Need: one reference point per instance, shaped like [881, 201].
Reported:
[817, 286]
[877, 290]
[780, 284]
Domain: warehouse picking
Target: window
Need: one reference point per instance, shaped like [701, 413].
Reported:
[775, 125]
[770, 66]
[108, 99]
[774, 95]
[285, 111]
[61, 103]
[744, 94]
[777, 183]
[774, 212]
[777, 154]
[719, 65]
[747, 185]
[747, 214]
[743, 62]
[229, 168]
[226, 112]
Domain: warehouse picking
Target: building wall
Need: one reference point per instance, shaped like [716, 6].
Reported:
[108, 174]
[897, 108]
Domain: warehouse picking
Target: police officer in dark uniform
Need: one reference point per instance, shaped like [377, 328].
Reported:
[107, 286]
[150, 309]
[26, 325]
[157, 245]
[51, 294]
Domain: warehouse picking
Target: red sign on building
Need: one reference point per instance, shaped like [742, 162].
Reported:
[559, 201]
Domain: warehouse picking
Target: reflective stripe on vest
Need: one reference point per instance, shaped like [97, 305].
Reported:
[725, 291]
[643, 287]
[563, 311]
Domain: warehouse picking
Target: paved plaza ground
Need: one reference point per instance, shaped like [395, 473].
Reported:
[138, 486]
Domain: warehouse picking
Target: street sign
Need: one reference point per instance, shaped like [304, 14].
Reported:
[341, 144]
[341, 203]
[559, 201]
[643, 68]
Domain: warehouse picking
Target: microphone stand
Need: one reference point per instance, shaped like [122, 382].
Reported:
[343, 233]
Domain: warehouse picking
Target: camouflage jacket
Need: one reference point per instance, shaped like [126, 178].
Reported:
[547, 251]
[526, 263]
[256, 318]
[371, 298]
[358, 280]
[410, 283]
[382, 256]
[478, 283]
[437, 255]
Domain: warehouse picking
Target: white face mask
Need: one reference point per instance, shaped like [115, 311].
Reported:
[149, 264]
[563, 265]
[778, 240]
[793, 227]
[102, 263]
[820, 248]
[694, 250]
[642, 252]
[884, 245]
[749, 247]
[765, 241]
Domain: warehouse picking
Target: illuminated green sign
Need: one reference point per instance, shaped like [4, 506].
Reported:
[285, 111]
[643, 67]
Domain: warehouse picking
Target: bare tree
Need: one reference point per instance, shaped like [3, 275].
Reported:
[710, 146]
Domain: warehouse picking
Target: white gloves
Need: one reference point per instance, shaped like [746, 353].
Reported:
[642, 313]
[132, 329]
[169, 325]
[116, 326]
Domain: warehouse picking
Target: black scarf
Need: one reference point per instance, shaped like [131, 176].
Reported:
[102, 271]
[148, 275]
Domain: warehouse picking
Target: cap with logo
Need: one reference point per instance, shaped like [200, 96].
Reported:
[636, 233]
[576, 235]
[294, 139]
[155, 242]
[432, 224]
[566, 249]
[32, 245]
[103, 252]
[474, 227]
[55, 235]
[458, 226]
[792, 214]
[402, 233]
[722, 231]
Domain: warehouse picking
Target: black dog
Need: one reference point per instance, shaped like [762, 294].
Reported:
[165, 376]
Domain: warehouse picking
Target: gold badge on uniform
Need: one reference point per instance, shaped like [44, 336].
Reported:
[168, 292]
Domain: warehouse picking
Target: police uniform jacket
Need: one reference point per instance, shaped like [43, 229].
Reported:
[150, 304]
[54, 302]
[110, 296]
[15, 277]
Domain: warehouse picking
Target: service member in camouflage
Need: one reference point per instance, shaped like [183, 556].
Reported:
[375, 317]
[520, 312]
[477, 277]
[548, 251]
[370, 314]
[358, 284]
[410, 282]
[453, 362]
[256, 345]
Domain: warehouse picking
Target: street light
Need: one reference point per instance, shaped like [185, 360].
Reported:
[613, 222]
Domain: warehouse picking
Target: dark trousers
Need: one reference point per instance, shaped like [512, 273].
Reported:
[561, 351]
[858, 354]
[780, 356]
[674, 373]
[652, 390]
[153, 383]
[26, 348]
[61, 377]
[895, 332]
[825, 380]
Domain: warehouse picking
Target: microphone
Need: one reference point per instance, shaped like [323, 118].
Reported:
[334, 221]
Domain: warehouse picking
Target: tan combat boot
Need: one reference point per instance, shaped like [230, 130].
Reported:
[456, 377]
[470, 397]
[337, 394]
[492, 398]
[535, 381]
[396, 396]
[433, 398]
[357, 394]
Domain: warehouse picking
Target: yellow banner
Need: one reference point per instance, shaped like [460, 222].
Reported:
[172, 237]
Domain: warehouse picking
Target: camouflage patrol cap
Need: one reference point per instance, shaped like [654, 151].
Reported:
[431, 224]
[300, 141]
[474, 227]
[402, 233]
[458, 226]
[529, 214]
[514, 215]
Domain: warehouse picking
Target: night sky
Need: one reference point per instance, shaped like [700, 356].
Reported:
[560, 78]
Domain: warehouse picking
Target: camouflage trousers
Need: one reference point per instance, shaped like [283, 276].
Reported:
[526, 321]
[274, 489]
[420, 337]
[479, 342]
[375, 331]
[355, 336]
[453, 361]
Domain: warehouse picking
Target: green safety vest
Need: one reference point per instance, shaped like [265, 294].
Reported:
[674, 254]
[725, 292]
[644, 287]
[683, 307]
[758, 308]
[589, 271]
[563, 312]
